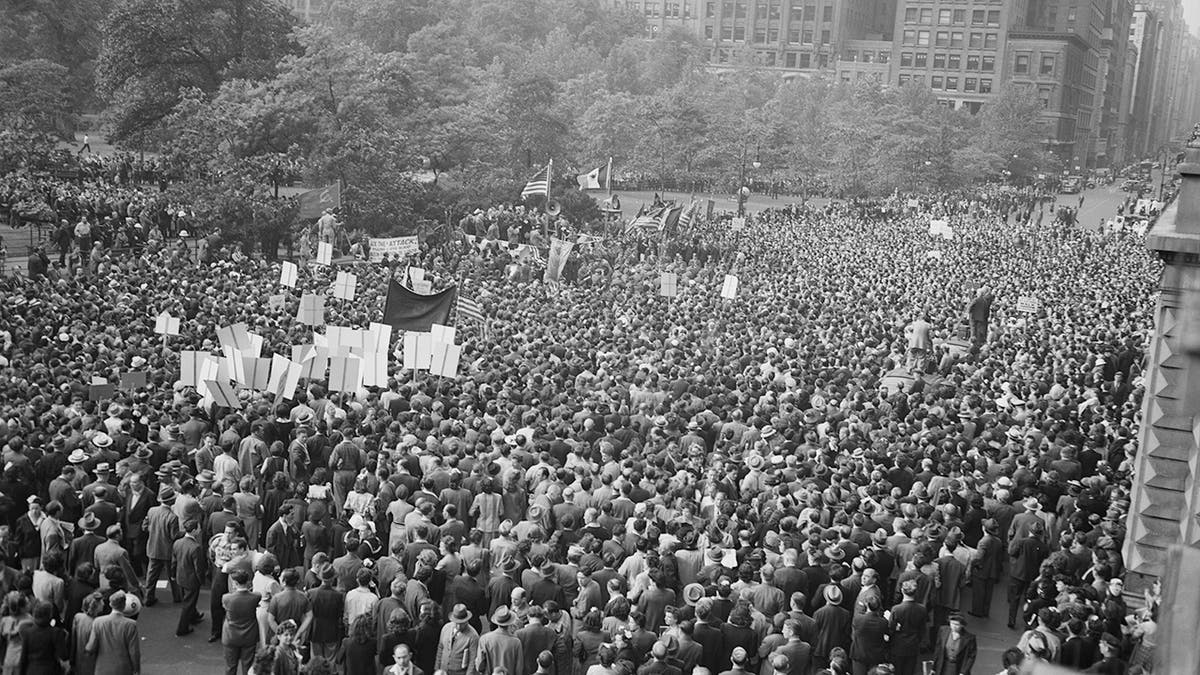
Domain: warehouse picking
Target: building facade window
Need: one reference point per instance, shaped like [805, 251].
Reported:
[989, 64]
[824, 37]
[1047, 65]
[927, 15]
[827, 13]
[922, 59]
[1021, 64]
[739, 33]
[993, 17]
[978, 17]
[710, 9]
[708, 32]
[805, 60]
[939, 61]
[789, 59]
[910, 15]
[960, 17]
[904, 79]
[990, 41]
[906, 59]
[951, 84]
[976, 41]
[954, 61]
[942, 38]
[884, 56]
[969, 84]
[944, 17]
[910, 37]
[794, 35]
[972, 62]
[957, 39]
[936, 82]
[985, 85]
[922, 38]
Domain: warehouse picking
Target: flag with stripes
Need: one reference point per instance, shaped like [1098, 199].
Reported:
[468, 308]
[685, 220]
[538, 185]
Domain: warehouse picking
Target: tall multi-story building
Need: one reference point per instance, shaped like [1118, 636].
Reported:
[1144, 31]
[957, 48]
[1112, 75]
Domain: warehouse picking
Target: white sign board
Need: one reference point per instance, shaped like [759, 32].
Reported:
[393, 247]
[1029, 304]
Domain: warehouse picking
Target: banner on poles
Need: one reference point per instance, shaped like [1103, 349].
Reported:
[395, 248]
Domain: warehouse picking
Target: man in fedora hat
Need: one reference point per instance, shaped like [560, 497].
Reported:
[986, 565]
[833, 625]
[162, 528]
[88, 494]
[83, 547]
[458, 643]
[499, 648]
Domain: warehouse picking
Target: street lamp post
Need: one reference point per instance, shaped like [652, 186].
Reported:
[741, 188]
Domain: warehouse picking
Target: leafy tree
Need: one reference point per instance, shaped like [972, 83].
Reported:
[155, 49]
[34, 108]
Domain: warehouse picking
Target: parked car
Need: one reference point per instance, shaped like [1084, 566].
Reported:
[1072, 185]
[1132, 185]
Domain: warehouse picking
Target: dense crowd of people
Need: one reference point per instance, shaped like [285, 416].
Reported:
[834, 472]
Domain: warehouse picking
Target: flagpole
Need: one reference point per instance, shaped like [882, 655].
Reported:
[608, 178]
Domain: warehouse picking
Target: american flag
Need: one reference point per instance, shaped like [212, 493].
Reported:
[469, 309]
[685, 221]
[538, 185]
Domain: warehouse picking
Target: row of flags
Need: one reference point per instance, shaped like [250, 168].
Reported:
[660, 218]
[539, 183]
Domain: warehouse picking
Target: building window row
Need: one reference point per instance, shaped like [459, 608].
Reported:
[951, 17]
[985, 63]
[981, 85]
[926, 38]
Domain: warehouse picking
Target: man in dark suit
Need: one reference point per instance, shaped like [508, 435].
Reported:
[954, 651]
[138, 502]
[986, 565]
[909, 626]
[240, 632]
[708, 633]
[868, 638]
[1026, 555]
[189, 570]
[83, 547]
[980, 312]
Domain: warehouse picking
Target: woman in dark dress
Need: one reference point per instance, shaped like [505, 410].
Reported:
[428, 634]
[43, 647]
[358, 650]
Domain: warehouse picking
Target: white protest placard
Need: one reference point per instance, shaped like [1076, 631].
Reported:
[444, 361]
[418, 350]
[189, 366]
[738, 223]
[256, 345]
[289, 274]
[379, 336]
[913, 203]
[668, 285]
[231, 366]
[934, 254]
[729, 287]
[344, 373]
[395, 248]
[374, 369]
[314, 365]
[223, 394]
[312, 309]
[416, 273]
[345, 285]
[325, 253]
[442, 333]
[165, 324]
[276, 301]
[256, 373]
[236, 335]
[279, 371]
[424, 287]
[1029, 304]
